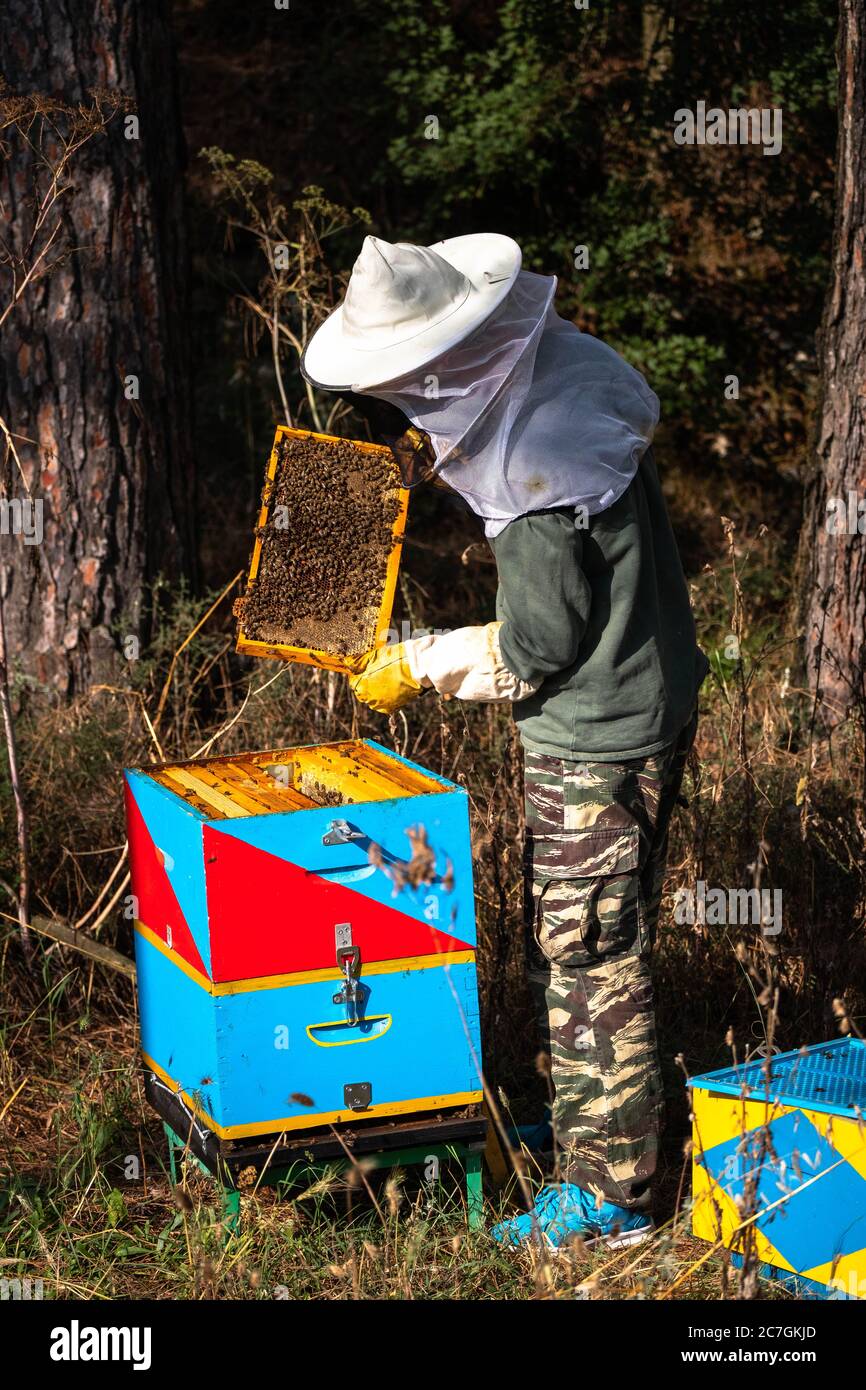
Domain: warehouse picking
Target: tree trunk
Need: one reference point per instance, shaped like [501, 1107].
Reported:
[114, 472]
[833, 549]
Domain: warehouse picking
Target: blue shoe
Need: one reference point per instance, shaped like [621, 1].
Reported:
[566, 1211]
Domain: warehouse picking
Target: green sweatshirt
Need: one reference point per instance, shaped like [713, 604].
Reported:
[602, 616]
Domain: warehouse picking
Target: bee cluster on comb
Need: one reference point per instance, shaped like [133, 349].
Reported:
[325, 546]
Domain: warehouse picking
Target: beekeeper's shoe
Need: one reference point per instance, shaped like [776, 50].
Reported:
[561, 1213]
[577, 1214]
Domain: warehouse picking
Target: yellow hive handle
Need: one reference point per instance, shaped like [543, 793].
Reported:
[335, 1033]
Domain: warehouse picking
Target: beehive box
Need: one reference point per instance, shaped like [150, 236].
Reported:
[341, 521]
[305, 937]
[789, 1148]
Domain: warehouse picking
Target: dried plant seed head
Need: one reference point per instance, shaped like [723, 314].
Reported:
[393, 1196]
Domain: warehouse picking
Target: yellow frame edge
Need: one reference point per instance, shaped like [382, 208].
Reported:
[309, 656]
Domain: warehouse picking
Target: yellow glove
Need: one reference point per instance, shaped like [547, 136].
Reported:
[386, 683]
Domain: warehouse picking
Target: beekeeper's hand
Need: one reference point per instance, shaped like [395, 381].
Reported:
[387, 684]
[465, 664]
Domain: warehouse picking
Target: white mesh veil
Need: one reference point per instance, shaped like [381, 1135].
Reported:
[529, 413]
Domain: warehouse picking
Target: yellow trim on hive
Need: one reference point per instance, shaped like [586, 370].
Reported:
[183, 965]
[309, 656]
[330, 1024]
[719, 1117]
[301, 977]
[313, 1118]
[845, 1275]
[722, 1116]
[376, 967]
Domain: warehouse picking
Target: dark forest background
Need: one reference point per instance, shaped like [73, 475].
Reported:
[556, 128]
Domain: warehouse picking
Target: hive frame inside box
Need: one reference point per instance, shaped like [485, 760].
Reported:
[800, 1141]
[307, 655]
[193, 978]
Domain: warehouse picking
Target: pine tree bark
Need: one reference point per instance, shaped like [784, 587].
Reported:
[833, 551]
[115, 474]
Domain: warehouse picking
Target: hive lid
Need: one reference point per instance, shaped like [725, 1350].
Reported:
[332, 519]
[830, 1077]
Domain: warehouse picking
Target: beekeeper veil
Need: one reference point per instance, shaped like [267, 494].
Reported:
[528, 413]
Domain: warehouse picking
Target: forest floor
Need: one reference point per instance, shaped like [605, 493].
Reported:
[94, 1214]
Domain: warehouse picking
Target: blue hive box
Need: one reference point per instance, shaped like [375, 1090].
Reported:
[305, 940]
[786, 1145]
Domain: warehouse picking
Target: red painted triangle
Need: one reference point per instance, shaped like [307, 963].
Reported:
[158, 907]
[271, 917]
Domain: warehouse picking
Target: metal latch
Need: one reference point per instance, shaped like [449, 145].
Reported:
[358, 1095]
[340, 832]
[349, 961]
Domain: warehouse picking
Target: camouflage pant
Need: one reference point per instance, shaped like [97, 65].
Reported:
[596, 846]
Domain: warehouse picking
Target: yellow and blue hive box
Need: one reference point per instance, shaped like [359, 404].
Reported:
[781, 1145]
[305, 938]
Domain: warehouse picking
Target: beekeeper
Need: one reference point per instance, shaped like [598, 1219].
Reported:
[546, 433]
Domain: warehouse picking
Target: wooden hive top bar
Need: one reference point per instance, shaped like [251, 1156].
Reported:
[292, 779]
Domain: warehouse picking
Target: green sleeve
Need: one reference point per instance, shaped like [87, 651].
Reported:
[543, 598]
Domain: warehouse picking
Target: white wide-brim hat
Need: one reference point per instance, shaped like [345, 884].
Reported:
[406, 305]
